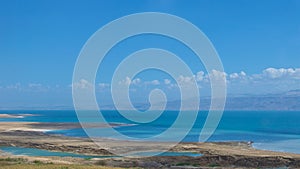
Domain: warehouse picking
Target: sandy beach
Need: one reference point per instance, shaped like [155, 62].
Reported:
[225, 154]
[14, 115]
[46, 126]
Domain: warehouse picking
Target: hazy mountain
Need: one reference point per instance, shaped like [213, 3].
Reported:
[283, 101]
[289, 100]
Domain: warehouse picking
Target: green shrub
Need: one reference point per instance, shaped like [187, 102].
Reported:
[100, 162]
[183, 164]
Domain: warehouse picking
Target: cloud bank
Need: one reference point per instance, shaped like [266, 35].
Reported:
[269, 80]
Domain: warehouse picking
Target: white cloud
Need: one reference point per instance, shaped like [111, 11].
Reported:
[30, 87]
[126, 81]
[14, 86]
[103, 85]
[274, 73]
[167, 81]
[200, 76]
[34, 85]
[243, 73]
[83, 84]
[136, 81]
[271, 78]
[169, 84]
[217, 75]
[185, 80]
[240, 75]
[155, 82]
[37, 87]
[234, 76]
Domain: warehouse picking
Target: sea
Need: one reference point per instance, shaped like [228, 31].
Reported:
[267, 130]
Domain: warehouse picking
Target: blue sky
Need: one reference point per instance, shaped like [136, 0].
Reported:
[40, 41]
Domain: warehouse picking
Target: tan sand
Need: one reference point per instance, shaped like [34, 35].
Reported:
[26, 134]
[10, 116]
[48, 126]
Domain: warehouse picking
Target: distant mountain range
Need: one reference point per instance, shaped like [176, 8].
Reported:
[282, 101]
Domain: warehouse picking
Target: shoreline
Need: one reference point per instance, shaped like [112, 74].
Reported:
[225, 154]
[16, 115]
[50, 126]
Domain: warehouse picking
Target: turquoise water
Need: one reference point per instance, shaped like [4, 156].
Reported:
[39, 152]
[270, 130]
[290, 145]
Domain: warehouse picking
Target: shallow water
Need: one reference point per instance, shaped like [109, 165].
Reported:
[271, 130]
[39, 152]
[291, 146]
